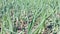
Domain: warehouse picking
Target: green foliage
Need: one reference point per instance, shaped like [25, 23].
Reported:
[16, 10]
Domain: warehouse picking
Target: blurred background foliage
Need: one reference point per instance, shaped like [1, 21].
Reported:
[30, 16]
